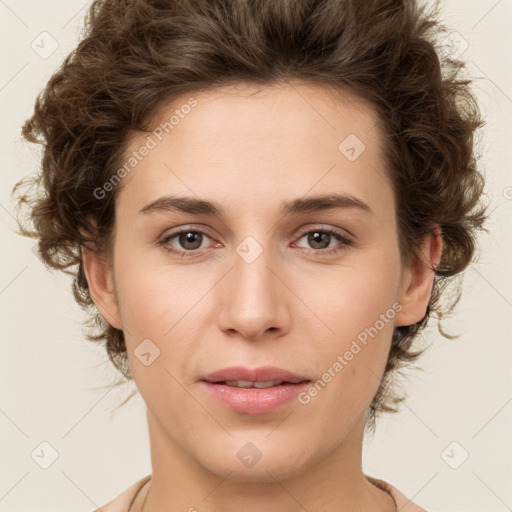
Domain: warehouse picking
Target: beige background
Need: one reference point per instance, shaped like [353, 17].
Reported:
[56, 387]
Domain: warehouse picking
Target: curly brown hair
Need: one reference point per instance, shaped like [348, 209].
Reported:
[137, 55]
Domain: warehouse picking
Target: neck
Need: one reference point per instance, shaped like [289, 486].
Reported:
[332, 481]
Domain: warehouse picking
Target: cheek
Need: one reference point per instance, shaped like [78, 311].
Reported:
[359, 308]
[351, 361]
[155, 298]
[350, 300]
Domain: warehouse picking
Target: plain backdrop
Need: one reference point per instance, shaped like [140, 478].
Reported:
[450, 447]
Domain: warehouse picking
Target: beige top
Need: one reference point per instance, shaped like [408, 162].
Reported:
[123, 502]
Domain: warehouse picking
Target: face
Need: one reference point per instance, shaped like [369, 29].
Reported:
[315, 289]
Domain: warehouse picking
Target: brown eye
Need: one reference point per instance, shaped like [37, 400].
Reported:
[320, 239]
[188, 242]
[190, 239]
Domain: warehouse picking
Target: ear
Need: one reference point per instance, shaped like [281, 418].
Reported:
[418, 279]
[101, 286]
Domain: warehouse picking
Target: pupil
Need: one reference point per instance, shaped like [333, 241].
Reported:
[314, 239]
[187, 238]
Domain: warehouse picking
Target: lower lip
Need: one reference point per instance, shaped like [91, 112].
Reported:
[254, 400]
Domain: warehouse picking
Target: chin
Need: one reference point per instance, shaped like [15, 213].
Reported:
[262, 472]
[258, 461]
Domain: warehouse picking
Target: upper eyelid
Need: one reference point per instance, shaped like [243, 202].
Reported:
[180, 230]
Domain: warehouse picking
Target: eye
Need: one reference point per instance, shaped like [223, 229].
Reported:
[191, 240]
[320, 240]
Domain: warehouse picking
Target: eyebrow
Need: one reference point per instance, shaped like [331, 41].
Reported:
[213, 209]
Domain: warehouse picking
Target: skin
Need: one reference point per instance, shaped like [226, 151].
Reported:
[250, 149]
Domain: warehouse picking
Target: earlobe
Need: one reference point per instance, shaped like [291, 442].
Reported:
[418, 280]
[101, 286]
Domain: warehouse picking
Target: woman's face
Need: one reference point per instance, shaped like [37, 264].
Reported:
[263, 284]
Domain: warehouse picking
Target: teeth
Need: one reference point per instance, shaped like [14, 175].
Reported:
[250, 384]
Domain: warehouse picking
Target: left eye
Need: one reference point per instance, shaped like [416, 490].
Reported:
[318, 238]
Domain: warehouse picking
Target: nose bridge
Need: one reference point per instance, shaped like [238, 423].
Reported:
[251, 301]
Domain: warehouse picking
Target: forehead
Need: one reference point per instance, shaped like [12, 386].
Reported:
[245, 141]
[301, 108]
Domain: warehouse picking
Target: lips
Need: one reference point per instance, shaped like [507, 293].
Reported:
[257, 391]
[261, 374]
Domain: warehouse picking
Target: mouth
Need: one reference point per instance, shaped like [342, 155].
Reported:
[266, 375]
[247, 384]
[258, 391]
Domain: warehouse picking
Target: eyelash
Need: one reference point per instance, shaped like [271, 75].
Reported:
[164, 243]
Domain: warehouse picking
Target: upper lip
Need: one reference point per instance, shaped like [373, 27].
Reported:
[261, 374]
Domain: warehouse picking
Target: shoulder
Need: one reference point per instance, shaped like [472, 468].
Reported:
[403, 503]
[122, 502]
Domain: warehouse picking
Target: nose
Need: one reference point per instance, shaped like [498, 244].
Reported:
[252, 298]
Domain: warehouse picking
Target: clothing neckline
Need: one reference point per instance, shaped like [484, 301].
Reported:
[138, 489]
[129, 496]
[380, 484]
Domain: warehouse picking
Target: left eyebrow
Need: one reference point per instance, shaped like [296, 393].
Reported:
[211, 208]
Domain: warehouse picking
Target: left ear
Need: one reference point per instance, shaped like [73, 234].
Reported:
[418, 279]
